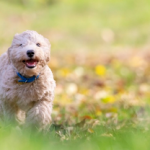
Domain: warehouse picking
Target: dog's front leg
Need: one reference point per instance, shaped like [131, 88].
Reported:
[1, 111]
[39, 115]
[8, 112]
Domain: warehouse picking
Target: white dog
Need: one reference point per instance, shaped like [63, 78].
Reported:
[26, 82]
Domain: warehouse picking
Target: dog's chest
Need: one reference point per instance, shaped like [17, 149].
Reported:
[12, 90]
[30, 91]
[26, 94]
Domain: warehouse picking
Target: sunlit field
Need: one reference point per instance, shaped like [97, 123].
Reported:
[100, 58]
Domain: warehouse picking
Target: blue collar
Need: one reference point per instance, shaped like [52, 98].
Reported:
[27, 80]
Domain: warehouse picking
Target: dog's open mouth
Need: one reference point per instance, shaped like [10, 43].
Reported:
[31, 63]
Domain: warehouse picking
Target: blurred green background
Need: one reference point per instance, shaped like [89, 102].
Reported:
[78, 25]
[100, 59]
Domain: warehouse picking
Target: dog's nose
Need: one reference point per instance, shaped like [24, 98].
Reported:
[30, 53]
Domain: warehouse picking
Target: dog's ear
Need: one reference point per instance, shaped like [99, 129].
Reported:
[8, 53]
[49, 47]
[9, 49]
[48, 43]
[48, 56]
[47, 59]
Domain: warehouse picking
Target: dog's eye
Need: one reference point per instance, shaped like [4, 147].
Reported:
[20, 44]
[38, 44]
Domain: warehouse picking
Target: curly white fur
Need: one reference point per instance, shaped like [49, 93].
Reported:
[35, 98]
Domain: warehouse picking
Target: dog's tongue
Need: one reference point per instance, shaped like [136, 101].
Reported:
[31, 63]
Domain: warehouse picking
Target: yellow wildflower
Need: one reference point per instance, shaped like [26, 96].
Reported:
[100, 70]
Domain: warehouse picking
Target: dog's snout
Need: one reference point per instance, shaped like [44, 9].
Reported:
[30, 53]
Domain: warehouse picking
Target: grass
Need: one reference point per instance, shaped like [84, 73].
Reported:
[103, 137]
[100, 61]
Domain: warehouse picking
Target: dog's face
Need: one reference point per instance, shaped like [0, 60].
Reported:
[29, 53]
